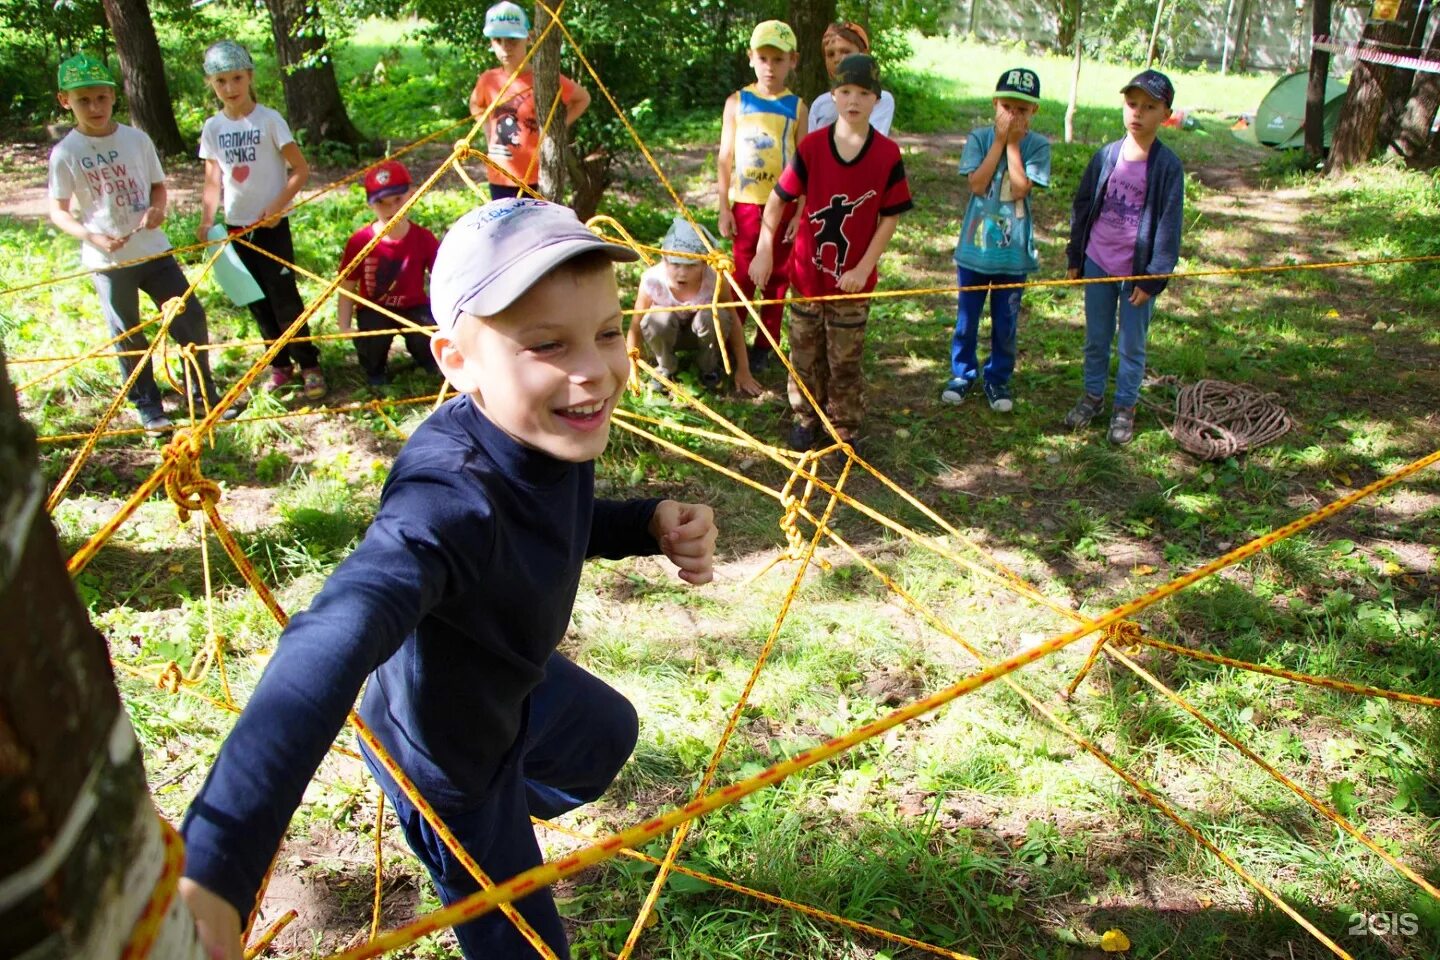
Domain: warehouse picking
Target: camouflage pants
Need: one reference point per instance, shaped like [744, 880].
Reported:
[827, 344]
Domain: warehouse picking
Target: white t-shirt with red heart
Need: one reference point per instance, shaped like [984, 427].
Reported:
[251, 165]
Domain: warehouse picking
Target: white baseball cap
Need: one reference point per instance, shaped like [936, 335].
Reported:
[497, 251]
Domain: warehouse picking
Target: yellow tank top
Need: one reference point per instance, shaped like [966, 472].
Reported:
[765, 139]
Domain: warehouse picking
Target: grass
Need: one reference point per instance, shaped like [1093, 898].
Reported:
[978, 827]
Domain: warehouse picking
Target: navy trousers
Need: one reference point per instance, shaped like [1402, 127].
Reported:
[580, 733]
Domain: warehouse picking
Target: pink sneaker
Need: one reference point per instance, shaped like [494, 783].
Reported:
[279, 379]
[315, 387]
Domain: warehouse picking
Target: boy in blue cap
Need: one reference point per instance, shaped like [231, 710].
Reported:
[1003, 162]
[453, 604]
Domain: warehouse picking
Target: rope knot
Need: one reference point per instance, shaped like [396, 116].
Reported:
[184, 483]
[722, 264]
[171, 309]
[170, 678]
[1125, 634]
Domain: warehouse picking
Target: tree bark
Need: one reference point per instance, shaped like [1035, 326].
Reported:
[1065, 26]
[312, 97]
[1242, 38]
[142, 72]
[809, 18]
[1154, 34]
[546, 83]
[1074, 79]
[1413, 140]
[80, 847]
[1225, 38]
[1399, 82]
[1358, 130]
[1319, 74]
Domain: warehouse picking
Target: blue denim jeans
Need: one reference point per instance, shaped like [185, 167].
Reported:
[1004, 319]
[578, 735]
[1102, 302]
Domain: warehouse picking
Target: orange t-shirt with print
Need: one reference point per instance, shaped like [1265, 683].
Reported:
[512, 130]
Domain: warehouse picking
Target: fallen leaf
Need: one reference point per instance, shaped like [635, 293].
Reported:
[1390, 568]
[1332, 313]
[1114, 941]
[1343, 478]
[1144, 570]
[1205, 902]
[176, 568]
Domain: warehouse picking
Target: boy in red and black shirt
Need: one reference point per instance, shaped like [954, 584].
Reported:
[854, 185]
[392, 276]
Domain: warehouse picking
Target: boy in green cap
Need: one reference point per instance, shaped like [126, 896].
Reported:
[107, 190]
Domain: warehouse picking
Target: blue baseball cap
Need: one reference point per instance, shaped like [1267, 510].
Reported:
[507, 20]
[1154, 83]
[497, 251]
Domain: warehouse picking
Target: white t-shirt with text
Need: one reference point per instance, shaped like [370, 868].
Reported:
[251, 165]
[107, 181]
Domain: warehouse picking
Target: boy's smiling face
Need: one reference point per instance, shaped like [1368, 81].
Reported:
[549, 369]
[93, 108]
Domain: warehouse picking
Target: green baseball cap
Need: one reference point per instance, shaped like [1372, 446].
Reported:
[83, 70]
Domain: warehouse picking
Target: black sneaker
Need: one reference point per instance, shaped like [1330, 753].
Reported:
[955, 390]
[1083, 412]
[999, 396]
[802, 438]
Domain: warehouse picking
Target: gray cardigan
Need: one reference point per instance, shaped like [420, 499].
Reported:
[1157, 242]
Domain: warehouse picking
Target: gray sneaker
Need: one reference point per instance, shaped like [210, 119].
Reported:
[1122, 425]
[154, 423]
[1083, 412]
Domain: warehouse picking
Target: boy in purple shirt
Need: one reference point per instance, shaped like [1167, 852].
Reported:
[1125, 222]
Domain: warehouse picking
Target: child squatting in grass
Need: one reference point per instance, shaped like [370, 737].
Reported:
[108, 191]
[454, 602]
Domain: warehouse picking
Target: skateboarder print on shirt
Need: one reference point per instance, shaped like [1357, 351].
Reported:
[830, 232]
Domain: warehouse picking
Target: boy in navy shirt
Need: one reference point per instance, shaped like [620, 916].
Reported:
[453, 604]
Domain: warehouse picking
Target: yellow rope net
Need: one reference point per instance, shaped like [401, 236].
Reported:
[806, 505]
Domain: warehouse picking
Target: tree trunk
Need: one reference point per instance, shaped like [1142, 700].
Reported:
[1414, 140]
[1357, 132]
[1154, 34]
[142, 72]
[312, 97]
[1242, 38]
[1399, 82]
[80, 843]
[1319, 75]
[809, 18]
[1074, 80]
[546, 83]
[1065, 26]
[1225, 41]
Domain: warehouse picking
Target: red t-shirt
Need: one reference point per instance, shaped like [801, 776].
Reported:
[394, 273]
[844, 202]
[512, 131]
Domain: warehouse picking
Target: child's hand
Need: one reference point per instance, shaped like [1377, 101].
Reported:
[1002, 125]
[747, 384]
[202, 232]
[105, 242]
[791, 228]
[760, 268]
[727, 222]
[686, 535]
[215, 920]
[853, 281]
[1138, 297]
[1073, 273]
[153, 217]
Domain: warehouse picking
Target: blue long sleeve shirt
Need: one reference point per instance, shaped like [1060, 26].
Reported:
[451, 604]
[1157, 241]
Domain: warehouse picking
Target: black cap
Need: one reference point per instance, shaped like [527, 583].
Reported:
[859, 69]
[1154, 83]
[1019, 84]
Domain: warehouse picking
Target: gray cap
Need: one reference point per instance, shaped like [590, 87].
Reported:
[496, 252]
[226, 55]
[682, 238]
